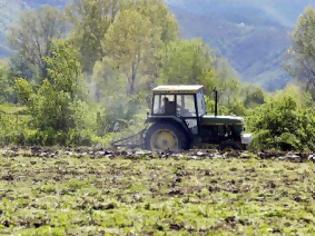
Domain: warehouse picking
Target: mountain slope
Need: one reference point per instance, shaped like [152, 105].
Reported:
[253, 34]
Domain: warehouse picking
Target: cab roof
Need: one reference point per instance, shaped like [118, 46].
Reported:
[177, 89]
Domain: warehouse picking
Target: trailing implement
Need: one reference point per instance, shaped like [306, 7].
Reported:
[178, 121]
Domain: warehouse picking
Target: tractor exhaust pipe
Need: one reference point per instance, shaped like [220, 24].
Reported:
[215, 102]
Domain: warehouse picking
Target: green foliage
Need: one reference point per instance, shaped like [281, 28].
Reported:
[91, 20]
[6, 84]
[14, 125]
[23, 90]
[282, 124]
[63, 69]
[164, 23]
[56, 107]
[51, 105]
[254, 96]
[129, 42]
[187, 62]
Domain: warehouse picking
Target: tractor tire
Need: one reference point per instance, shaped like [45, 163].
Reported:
[230, 144]
[166, 137]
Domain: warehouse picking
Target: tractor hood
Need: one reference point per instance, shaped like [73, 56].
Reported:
[222, 120]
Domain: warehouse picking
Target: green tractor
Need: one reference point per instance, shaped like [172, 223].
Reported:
[178, 121]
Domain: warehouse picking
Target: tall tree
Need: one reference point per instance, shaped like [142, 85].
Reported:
[302, 54]
[31, 39]
[129, 42]
[165, 25]
[91, 20]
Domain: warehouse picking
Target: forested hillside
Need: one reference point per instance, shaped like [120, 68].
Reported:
[253, 35]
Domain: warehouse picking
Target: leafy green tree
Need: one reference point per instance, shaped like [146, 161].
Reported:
[187, 62]
[129, 43]
[91, 20]
[165, 25]
[6, 84]
[31, 39]
[54, 106]
[301, 62]
[253, 96]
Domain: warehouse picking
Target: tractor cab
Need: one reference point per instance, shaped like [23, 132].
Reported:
[178, 120]
[184, 102]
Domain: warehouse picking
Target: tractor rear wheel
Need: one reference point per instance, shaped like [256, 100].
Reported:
[166, 137]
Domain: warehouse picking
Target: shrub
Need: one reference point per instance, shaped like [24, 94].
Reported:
[281, 124]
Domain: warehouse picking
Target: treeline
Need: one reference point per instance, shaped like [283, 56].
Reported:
[82, 75]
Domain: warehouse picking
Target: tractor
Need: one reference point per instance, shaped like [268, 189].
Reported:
[178, 121]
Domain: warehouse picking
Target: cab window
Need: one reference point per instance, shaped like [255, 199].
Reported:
[186, 106]
[164, 104]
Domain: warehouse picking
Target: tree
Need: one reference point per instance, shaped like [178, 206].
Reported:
[91, 20]
[31, 39]
[302, 54]
[253, 96]
[187, 62]
[54, 106]
[130, 44]
[6, 84]
[165, 25]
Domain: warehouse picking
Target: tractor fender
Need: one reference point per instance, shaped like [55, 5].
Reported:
[173, 120]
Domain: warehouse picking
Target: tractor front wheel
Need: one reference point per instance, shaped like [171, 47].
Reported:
[165, 137]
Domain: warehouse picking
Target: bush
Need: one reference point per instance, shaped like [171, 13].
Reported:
[24, 90]
[281, 124]
[14, 129]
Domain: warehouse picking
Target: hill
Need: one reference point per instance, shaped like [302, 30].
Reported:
[253, 34]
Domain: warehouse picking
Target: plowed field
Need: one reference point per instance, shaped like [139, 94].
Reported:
[70, 195]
